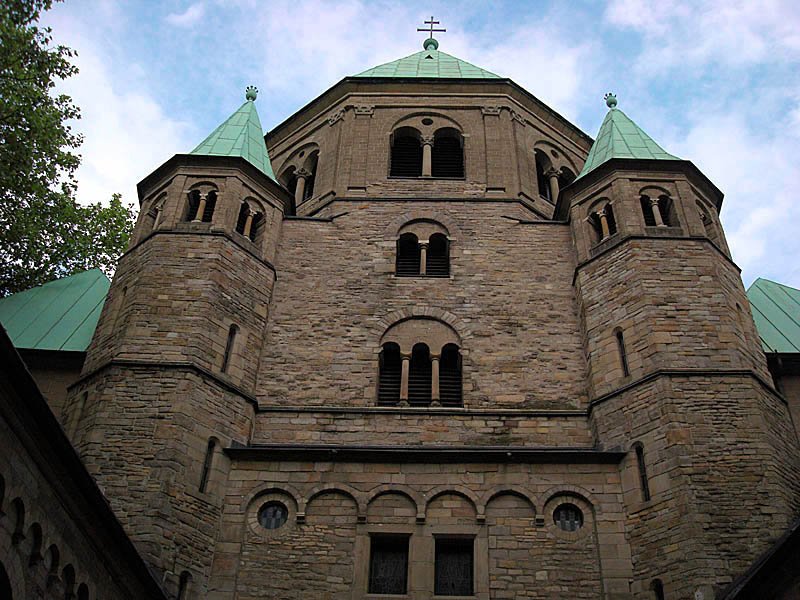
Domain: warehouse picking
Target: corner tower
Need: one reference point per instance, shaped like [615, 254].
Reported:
[170, 374]
[676, 374]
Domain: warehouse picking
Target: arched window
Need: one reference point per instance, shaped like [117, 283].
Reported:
[184, 582]
[390, 365]
[657, 212]
[623, 355]
[18, 516]
[83, 592]
[543, 165]
[35, 535]
[437, 263]
[406, 160]
[450, 377]
[448, 154]
[658, 589]
[642, 467]
[5, 584]
[68, 578]
[226, 358]
[207, 464]
[419, 376]
[249, 222]
[603, 222]
[566, 177]
[408, 256]
[201, 206]
[2, 494]
[310, 166]
[53, 562]
[712, 233]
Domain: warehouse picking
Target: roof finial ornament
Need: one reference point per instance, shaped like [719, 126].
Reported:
[430, 43]
[611, 100]
[251, 92]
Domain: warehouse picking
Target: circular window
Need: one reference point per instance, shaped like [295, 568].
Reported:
[302, 154]
[273, 515]
[568, 517]
[427, 121]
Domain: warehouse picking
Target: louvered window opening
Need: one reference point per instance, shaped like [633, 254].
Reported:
[408, 256]
[665, 208]
[240, 222]
[406, 157]
[454, 567]
[447, 158]
[437, 262]
[450, 393]
[419, 377]
[391, 368]
[568, 517]
[388, 564]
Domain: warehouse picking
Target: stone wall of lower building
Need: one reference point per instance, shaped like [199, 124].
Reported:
[334, 508]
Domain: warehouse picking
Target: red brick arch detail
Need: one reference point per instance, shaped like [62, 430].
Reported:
[457, 490]
[567, 490]
[392, 231]
[428, 312]
[511, 490]
[382, 490]
[345, 490]
[270, 488]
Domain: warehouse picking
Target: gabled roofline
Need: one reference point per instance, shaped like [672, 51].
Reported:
[329, 97]
[203, 160]
[635, 164]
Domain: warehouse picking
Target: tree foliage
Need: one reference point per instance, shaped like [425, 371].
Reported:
[44, 233]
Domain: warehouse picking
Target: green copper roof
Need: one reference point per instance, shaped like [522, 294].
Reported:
[240, 135]
[776, 311]
[429, 63]
[619, 137]
[59, 315]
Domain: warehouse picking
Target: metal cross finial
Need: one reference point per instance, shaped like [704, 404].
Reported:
[430, 29]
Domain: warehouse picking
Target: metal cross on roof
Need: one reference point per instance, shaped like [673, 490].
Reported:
[431, 29]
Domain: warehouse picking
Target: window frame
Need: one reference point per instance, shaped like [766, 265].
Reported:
[386, 537]
[454, 539]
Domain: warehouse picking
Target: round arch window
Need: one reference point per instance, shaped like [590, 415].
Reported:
[273, 515]
[568, 517]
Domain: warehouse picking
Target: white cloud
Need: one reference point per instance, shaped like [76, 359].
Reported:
[189, 17]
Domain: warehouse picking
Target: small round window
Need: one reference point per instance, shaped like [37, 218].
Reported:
[427, 121]
[273, 515]
[568, 517]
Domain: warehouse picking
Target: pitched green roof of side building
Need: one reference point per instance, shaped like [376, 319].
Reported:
[59, 315]
[240, 135]
[429, 63]
[776, 311]
[620, 137]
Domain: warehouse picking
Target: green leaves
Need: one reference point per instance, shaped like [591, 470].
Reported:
[44, 233]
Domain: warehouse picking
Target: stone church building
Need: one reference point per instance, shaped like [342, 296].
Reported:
[431, 340]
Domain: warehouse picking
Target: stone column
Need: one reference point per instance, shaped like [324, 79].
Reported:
[248, 224]
[427, 155]
[423, 257]
[552, 179]
[435, 379]
[603, 223]
[657, 213]
[300, 188]
[406, 358]
[201, 208]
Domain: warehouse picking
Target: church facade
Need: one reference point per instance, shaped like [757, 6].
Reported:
[436, 343]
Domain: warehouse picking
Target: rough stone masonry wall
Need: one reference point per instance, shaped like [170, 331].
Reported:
[326, 553]
[144, 439]
[509, 298]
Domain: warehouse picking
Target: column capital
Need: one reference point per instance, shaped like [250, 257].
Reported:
[405, 355]
[427, 140]
[436, 357]
[551, 172]
[304, 173]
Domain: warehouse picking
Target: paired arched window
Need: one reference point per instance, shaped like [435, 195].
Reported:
[200, 206]
[406, 156]
[250, 221]
[657, 212]
[420, 364]
[448, 154]
[603, 222]
[423, 250]
[549, 179]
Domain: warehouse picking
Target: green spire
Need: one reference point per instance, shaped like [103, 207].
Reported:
[240, 135]
[429, 63]
[619, 137]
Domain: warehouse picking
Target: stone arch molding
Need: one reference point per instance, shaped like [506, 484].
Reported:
[297, 162]
[421, 312]
[392, 231]
[567, 490]
[559, 162]
[414, 121]
[415, 497]
[510, 490]
[457, 490]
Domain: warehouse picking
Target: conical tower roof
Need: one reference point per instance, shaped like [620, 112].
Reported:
[240, 135]
[429, 63]
[620, 137]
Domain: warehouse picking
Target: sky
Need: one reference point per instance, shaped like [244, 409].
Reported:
[715, 82]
